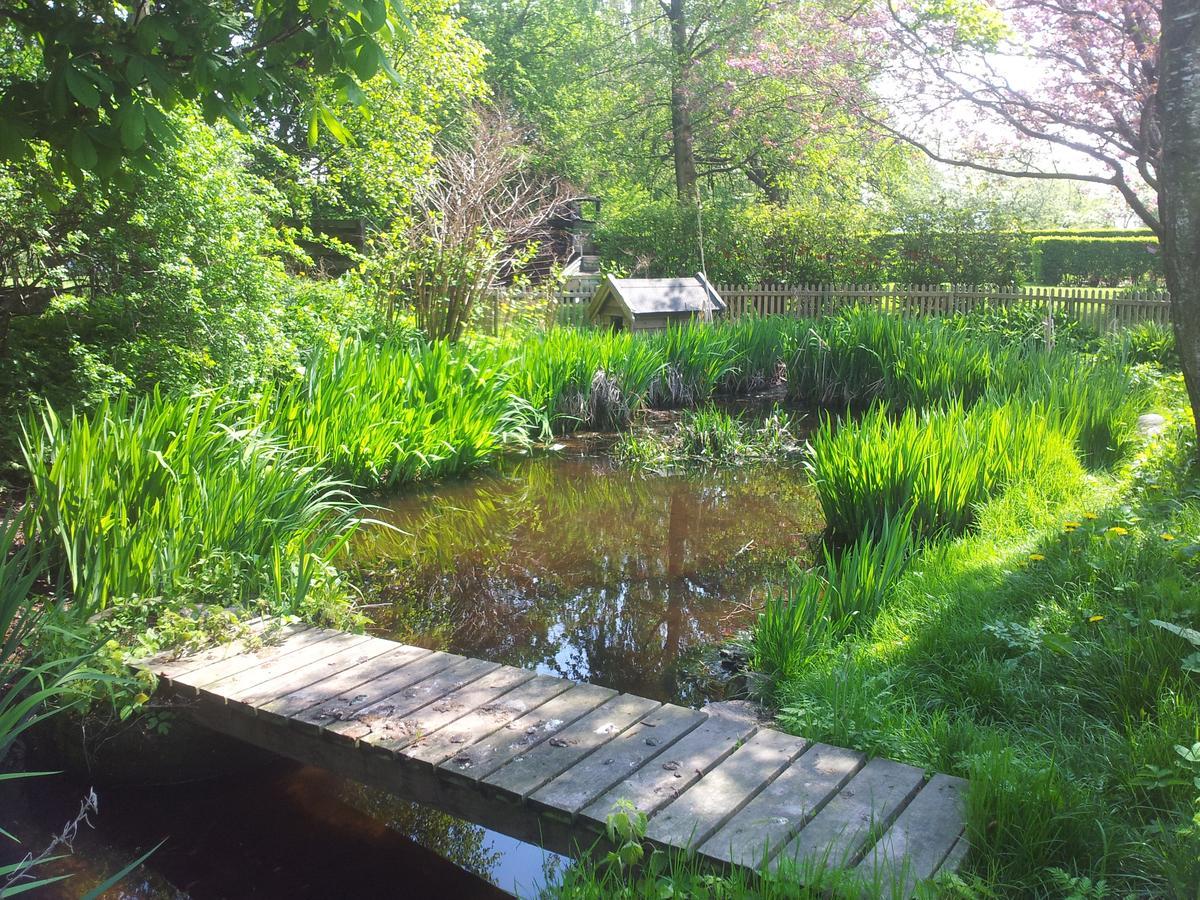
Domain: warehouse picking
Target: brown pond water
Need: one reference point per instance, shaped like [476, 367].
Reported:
[576, 566]
[568, 564]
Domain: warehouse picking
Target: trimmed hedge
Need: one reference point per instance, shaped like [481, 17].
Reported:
[763, 244]
[1108, 261]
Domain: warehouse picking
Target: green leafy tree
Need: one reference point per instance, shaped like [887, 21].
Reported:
[180, 278]
[663, 96]
[96, 76]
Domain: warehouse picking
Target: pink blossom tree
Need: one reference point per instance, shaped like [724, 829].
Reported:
[1098, 91]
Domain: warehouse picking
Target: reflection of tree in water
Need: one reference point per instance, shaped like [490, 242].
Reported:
[460, 842]
[587, 569]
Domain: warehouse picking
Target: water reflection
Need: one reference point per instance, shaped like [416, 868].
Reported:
[283, 830]
[581, 568]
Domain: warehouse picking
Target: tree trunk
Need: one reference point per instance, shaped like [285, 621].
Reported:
[682, 141]
[1179, 198]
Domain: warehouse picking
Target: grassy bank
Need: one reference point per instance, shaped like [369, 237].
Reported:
[1025, 656]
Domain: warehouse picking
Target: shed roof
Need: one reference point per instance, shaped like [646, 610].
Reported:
[659, 296]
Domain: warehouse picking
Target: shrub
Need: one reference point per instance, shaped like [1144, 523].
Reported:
[1025, 322]
[177, 281]
[743, 244]
[1146, 342]
[1108, 261]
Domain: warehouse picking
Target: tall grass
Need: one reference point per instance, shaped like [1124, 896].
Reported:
[821, 606]
[26, 683]
[697, 360]
[385, 415]
[939, 464]
[1095, 402]
[166, 497]
[861, 357]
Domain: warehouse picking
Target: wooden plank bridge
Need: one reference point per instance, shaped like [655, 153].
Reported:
[545, 760]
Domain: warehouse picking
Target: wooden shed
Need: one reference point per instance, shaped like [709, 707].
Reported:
[644, 304]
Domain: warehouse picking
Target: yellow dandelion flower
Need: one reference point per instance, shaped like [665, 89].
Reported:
[1095, 619]
[1089, 515]
[1167, 536]
[1036, 557]
[1118, 530]
[1070, 526]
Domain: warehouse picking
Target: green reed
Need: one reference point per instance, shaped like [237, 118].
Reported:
[164, 497]
[821, 606]
[940, 464]
[381, 416]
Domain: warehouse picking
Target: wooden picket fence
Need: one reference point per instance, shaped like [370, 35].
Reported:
[1105, 308]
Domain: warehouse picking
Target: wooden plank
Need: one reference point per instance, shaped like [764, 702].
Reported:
[574, 789]
[704, 807]
[364, 663]
[170, 663]
[438, 747]
[921, 837]
[838, 834]
[257, 685]
[785, 806]
[384, 720]
[957, 855]
[527, 772]
[170, 669]
[347, 704]
[523, 734]
[455, 705]
[291, 642]
[666, 776]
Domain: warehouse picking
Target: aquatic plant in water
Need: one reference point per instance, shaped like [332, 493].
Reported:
[712, 436]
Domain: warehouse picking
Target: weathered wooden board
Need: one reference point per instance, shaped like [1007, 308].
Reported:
[955, 857]
[669, 774]
[170, 668]
[417, 784]
[920, 839]
[454, 706]
[869, 802]
[690, 819]
[384, 720]
[290, 641]
[363, 664]
[171, 663]
[521, 735]
[575, 788]
[459, 735]
[529, 771]
[782, 808]
[247, 686]
[346, 705]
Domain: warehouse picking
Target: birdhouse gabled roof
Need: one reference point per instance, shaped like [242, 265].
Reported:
[659, 296]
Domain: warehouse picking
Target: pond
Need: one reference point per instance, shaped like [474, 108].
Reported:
[566, 563]
[576, 566]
